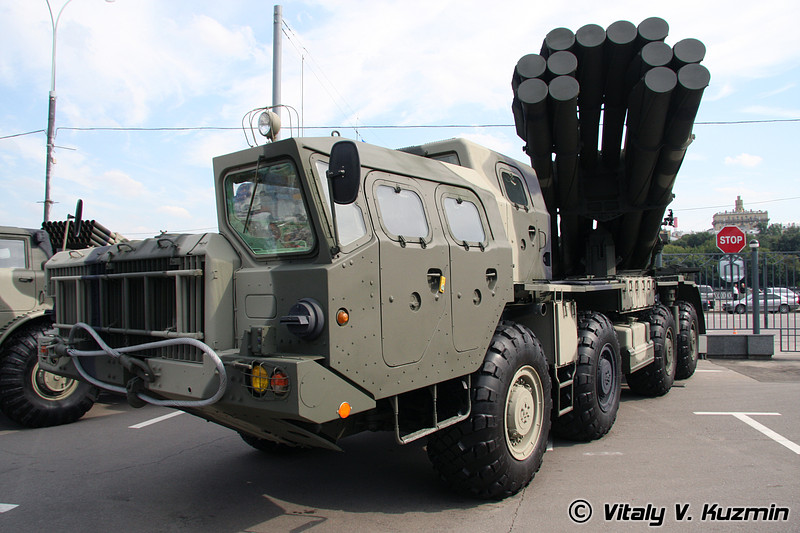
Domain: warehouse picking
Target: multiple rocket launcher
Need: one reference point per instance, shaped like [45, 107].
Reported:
[91, 234]
[619, 191]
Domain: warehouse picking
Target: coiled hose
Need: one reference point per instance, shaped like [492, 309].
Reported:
[116, 353]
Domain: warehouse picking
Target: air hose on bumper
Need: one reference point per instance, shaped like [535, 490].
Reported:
[129, 362]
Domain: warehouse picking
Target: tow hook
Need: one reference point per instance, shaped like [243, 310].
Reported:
[135, 385]
[138, 367]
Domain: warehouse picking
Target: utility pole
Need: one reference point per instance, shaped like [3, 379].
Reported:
[51, 112]
[276, 62]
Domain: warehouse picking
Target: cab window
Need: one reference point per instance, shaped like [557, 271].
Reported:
[12, 253]
[402, 212]
[267, 209]
[464, 220]
[349, 217]
[515, 188]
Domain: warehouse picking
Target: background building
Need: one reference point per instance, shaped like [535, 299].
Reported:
[747, 221]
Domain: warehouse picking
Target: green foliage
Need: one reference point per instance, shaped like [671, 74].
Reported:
[779, 251]
[772, 238]
[699, 243]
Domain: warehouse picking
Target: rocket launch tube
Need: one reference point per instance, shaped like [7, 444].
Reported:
[589, 41]
[692, 81]
[620, 48]
[528, 67]
[557, 40]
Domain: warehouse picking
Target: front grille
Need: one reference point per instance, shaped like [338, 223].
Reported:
[133, 302]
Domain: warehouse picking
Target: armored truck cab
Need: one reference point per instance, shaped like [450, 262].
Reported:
[422, 305]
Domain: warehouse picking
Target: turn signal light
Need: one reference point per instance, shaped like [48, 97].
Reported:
[344, 410]
[342, 317]
[259, 379]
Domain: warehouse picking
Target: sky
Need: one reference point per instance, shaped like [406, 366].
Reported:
[350, 65]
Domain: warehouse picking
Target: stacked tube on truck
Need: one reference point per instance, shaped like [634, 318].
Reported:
[616, 181]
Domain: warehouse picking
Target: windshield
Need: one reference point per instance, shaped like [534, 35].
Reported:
[268, 213]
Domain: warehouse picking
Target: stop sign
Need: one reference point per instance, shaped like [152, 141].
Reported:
[730, 240]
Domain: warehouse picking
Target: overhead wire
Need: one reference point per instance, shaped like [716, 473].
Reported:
[357, 127]
[317, 71]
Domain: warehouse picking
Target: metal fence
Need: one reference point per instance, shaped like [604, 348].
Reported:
[726, 283]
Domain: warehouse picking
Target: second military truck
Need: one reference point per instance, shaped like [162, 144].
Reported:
[357, 288]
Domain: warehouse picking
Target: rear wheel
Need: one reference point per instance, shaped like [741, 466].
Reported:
[784, 308]
[656, 378]
[33, 397]
[597, 381]
[499, 448]
[740, 309]
[688, 333]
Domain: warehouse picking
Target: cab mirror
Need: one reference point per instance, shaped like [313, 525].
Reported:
[344, 172]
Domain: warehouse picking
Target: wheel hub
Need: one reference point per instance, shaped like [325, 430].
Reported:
[520, 410]
[524, 408]
[606, 375]
[51, 386]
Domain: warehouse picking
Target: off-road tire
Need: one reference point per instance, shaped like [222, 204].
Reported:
[496, 451]
[688, 332]
[32, 397]
[597, 381]
[656, 378]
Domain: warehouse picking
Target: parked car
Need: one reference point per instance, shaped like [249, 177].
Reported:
[773, 302]
[707, 298]
[785, 293]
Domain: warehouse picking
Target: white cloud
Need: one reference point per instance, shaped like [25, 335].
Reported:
[120, 183]
[719, 93]
[777, 112]
[744, 160]
[174, 211]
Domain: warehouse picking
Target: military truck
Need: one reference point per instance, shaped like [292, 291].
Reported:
[352, 288]
[29, 395]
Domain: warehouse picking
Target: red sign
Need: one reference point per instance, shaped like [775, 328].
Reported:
[730, 240]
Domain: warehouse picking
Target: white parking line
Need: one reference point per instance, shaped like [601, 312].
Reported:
[155, 420]
[745, 417]
[708, 371]
[5, 507]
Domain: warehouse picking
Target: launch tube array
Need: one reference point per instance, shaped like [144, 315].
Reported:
[607, 116]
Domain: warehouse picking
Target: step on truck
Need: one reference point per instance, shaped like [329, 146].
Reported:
[435, 292]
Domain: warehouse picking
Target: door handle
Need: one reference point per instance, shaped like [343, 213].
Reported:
[25, 280]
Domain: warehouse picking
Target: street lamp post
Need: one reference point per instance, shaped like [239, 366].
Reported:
[51, 112]
[756, 327]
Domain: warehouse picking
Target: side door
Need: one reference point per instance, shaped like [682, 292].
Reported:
[413, 257]
[474, 262]
[18, 292]
[531, 225]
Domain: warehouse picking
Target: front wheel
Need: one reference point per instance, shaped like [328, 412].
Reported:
[499, 448]
[33, 397]
[740, 309]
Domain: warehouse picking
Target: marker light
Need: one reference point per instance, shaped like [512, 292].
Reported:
[342, 317]
[259, 379]
[280, 381]
[344, 410]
